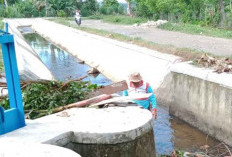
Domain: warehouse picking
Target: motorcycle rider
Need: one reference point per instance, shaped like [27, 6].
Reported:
[78, 17]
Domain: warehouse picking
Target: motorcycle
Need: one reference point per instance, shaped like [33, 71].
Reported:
[78, 19]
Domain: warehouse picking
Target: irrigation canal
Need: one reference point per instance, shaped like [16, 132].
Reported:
[170, 133]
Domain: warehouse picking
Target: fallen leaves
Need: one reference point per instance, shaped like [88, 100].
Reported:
[220, 65]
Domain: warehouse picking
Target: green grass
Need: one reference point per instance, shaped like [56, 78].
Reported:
[187, 54]
[197, 29]
[119, 19]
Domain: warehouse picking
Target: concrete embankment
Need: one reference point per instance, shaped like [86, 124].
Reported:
[29, 64]
[112, 58]
[202, 98]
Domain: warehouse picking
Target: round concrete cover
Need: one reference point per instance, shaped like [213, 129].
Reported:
[35, 150]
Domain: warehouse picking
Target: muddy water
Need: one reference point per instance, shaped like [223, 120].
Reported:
[170, 133]
[62, 65]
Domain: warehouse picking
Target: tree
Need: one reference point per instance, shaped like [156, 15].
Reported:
[68, 6]
[230, 5]
[109, 3]
[222, 12]
[89, 7]
[110, 7]
[129, 7]
[5, 2]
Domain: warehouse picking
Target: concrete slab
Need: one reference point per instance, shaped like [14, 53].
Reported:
[85, 125]
[90, 132]
[35, 150]
[206, 74]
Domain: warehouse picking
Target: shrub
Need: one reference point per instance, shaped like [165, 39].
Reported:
[61, 13]
[27, 9]
[2, 11]
[89, 7]
[85, 11]
[13, 11]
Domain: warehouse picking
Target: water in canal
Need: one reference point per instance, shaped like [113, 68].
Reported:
[62, 65]
[170, 133]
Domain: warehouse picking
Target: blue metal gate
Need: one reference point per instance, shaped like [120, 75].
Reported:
[12, 118]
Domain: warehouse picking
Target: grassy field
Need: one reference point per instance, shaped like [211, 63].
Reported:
[180, 27]
[196, 29]
[119, 19]
[187, 54]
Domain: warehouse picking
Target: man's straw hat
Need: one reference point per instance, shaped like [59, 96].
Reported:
[135, 77]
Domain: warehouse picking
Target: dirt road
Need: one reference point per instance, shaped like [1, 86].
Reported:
[216, 46]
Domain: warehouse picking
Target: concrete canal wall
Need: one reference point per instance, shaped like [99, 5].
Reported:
[202, 98]
[30, 65]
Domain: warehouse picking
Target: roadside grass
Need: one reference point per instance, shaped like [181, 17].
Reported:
[185, 53]
[119, 19]
[197, 29]
[180, 27]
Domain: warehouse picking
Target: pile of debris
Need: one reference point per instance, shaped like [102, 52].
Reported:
[151, 23]
[220, 150]
[219, 65]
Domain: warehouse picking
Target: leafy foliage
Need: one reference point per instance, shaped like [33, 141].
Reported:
[110, 7]
[28, 9]
[188, 11]
[122, 19]
[197, 29]
[89, 7]
[67, 6]
[41, 98]
[61, 13]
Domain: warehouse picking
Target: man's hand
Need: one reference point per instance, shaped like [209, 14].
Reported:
[154, 113]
